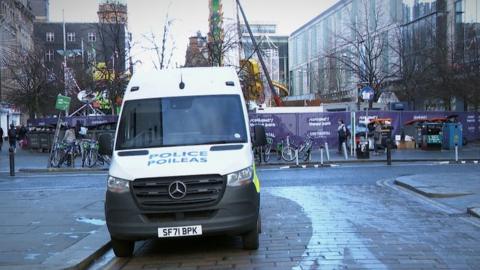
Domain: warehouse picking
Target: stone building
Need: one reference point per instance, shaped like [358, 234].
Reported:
[113, 11]
[197, 51]
[16, 31]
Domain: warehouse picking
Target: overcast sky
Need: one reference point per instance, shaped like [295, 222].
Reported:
[189, 16]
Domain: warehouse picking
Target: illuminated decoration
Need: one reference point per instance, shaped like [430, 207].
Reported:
[101, 72]
[215, 36]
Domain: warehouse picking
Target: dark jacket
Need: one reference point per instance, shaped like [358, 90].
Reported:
[12, 135]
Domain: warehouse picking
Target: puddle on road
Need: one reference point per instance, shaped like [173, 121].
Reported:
[31, 256]
[92, 221]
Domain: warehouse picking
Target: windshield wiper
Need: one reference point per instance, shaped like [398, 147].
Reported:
[220, 142]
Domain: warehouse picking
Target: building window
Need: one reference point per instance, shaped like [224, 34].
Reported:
[71, 37]
[92, 37]
[50, 37]
[49, 55]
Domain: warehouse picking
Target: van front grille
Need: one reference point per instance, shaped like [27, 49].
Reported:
[201, 191]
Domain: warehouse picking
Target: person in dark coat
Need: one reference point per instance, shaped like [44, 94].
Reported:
[342, 135]
[1, 138]
[12, 136]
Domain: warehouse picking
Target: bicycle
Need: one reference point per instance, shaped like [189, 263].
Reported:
[289, 151]
[65, 152]
[268, 149]
[91, 155]
[58, 152]
[89, 150]
[263, 152]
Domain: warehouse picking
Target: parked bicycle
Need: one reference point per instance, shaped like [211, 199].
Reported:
[263, 152]
[289, 151]
[89, 152]
[91, 155]
[65, 153]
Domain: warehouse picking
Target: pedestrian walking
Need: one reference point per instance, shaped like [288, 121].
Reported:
[12, 137]
[22, 136]
[342, 135]
[1, 138]
[377, 138]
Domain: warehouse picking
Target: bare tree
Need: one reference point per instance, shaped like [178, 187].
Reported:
[31, 86]
[112, 37]
[220, 46]
[467, 64]
[362, 45]
[414, 66]
[160, 48]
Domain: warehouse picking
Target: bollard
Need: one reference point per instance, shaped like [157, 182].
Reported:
[296, 157]
[345, 153]
[389, 154]
[11, 154]
[456, 153]
[327, 151]
[321, 155]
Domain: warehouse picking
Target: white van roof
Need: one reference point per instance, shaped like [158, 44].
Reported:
[197, 81]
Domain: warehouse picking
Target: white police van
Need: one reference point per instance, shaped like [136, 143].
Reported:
[182, 160]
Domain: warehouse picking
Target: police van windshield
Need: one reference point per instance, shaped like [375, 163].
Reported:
[181, 121]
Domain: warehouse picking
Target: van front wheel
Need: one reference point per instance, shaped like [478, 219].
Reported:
[251, 239]
[122, 248]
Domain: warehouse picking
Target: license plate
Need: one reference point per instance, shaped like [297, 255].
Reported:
[179, 231]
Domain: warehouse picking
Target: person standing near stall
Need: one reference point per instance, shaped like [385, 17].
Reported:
[377, 137]
[342, 135]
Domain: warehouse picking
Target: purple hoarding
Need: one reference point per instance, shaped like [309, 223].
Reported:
[278, 126]
[323, 126]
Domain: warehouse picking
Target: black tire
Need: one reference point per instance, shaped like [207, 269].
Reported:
[259, 224]
[251, 239]
[307, 156]
[56, 157]
[266, 152]
[92, 158]
[84, 157]
[257, 154]
[122, 248]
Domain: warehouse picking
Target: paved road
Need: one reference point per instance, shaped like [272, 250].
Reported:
[335, 218]
[42, 215]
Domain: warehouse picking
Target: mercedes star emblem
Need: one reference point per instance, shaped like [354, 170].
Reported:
[177, 190]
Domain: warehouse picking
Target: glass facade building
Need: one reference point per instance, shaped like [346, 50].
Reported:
[467, 31]
[313, 74]
[421, 24]
[273, 46]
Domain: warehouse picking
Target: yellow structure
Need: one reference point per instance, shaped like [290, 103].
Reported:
[251, 79]
[102, 73]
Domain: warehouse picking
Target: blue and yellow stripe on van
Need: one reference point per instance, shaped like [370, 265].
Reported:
[256, 181]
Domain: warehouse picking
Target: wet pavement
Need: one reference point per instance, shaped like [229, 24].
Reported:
[349, 217]
[41, 216]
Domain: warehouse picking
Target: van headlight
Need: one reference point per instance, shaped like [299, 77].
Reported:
[240, 178]
[117, 185]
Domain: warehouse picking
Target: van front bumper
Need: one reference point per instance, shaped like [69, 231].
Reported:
[235, 214]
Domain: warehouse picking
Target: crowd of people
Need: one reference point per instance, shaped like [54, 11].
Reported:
[373, 129]
[14, 136]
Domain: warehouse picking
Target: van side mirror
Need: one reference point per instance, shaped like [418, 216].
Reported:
[105, 144]
[259, 136]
